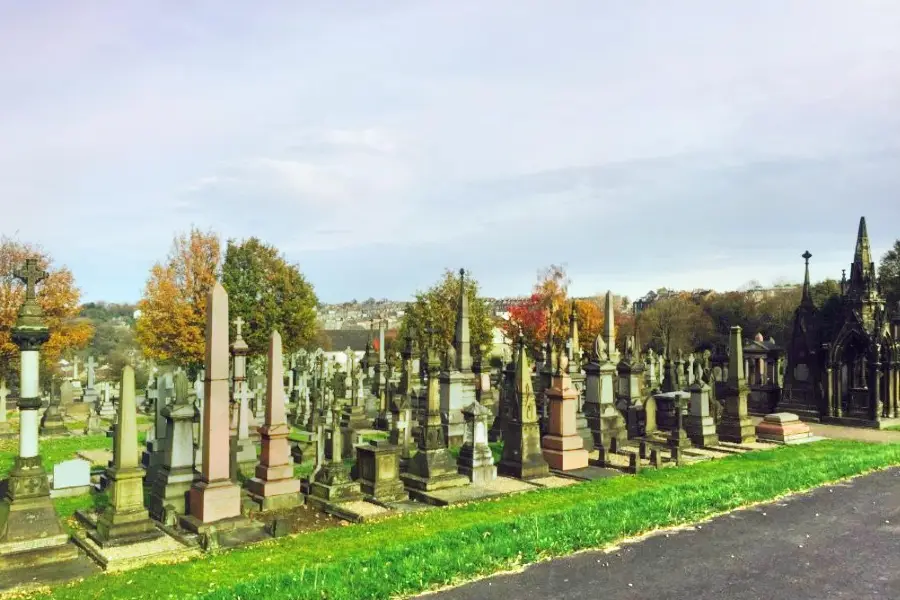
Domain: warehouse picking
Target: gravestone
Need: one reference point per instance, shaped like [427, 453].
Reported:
[476, 461]
[4, 392]
[563, 448]
[71, 478]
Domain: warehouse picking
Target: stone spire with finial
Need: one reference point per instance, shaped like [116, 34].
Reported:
[609, 328]
[806, 298]
[461, 338]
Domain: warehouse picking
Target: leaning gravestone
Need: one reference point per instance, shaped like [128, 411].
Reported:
[71, 478]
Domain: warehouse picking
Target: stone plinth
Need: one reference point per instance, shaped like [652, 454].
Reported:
[699, 424]
[603, 418]
[563, 448]
[175, 474]
[52, 422]
[783, 428]
[378, 465]
[736, 425]
[274, 485]
[476, 461]
[125, 520]
[457, 390]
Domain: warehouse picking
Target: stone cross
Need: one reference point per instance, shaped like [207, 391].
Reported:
[30, 275]
[238, 323]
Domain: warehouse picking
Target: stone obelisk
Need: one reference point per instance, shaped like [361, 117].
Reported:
[214, 496]
[125, 520]
[30, 532]
[274, 485]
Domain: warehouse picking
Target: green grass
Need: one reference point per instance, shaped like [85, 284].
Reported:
[892, 428]
[415, 552]
[53, 450]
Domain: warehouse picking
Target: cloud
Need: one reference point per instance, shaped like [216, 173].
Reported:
[383, 141]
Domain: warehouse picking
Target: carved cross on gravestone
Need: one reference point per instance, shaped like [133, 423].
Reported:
[30, 275]
[238, 324]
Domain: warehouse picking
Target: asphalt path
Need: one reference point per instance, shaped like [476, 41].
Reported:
[839, 541]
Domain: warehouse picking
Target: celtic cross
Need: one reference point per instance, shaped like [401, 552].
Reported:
[30, 275]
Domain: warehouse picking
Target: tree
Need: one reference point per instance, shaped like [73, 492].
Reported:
[58, 297]
[547, 303]
[172, 324]
[889, 272]
[437, 306]
[269, 294]
[676, 323]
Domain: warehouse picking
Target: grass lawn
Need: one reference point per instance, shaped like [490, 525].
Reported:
[892, 428]
[415, 552]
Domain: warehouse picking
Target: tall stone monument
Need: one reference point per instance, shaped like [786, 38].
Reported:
[90, 392]
[604, 419]
[736, 425]
[274, 485]
[432, 467]
[562, 446]
[457, 381]
[175, 474]
[522, 456]
[30, 532]
[125, 520]
[214, 497]
[244, 448]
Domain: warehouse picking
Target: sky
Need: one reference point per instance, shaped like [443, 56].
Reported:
[641, 144]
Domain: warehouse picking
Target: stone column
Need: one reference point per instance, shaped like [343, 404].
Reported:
[125, 520]
[28, 522]
[736, 425]
[274, 485]
[4, 392]
[214, 497]
[175, 474]
[562, 447]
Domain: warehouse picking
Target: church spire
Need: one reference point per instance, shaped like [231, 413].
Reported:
[863, 254]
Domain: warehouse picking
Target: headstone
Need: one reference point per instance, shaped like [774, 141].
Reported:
[274, 485]
[176, 474]
[432, 467]
[29, 527]
[562, 446]
[71, 478]
[522, 456]
[736, 425]
[214, 497]
[655, 458]
[125, 520]
[700, 426]
[378, 463]
[476, 461]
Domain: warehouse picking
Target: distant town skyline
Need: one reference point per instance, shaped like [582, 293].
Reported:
[641, 144]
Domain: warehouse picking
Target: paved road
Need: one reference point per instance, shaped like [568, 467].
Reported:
[836, 542]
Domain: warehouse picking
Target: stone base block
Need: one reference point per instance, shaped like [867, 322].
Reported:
[125, 557]
[566, 460]
[479, 474]
[337, 492]
[170, 489]
[384, 491]
[783, 432]
[737, 431]
[415, 483]
[272, 495]
[209, 502]
[524, 469]
[27, 554]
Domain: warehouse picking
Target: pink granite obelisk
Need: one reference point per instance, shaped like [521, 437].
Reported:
[214, 497]
[563, 448]
[274, 485]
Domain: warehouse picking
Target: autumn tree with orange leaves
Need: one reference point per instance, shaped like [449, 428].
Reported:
[58, 297]
[549, 303]
[172, 323]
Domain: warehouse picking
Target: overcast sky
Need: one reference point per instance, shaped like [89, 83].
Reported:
[643, 144]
